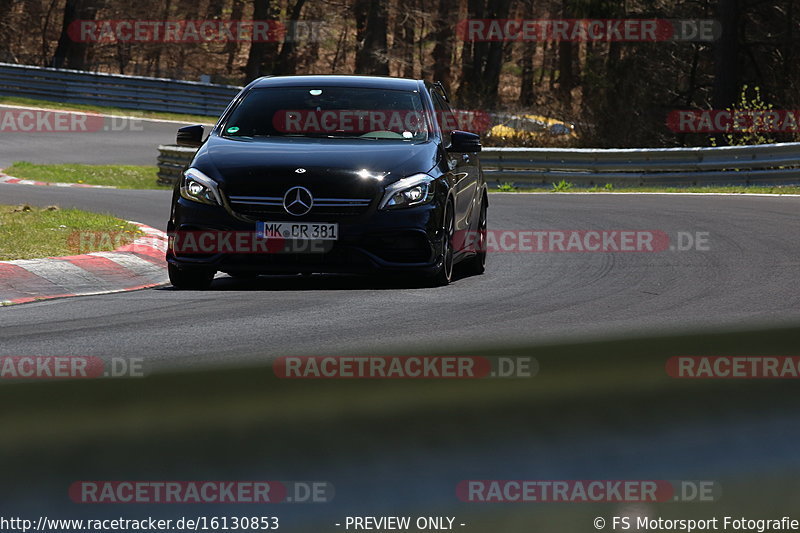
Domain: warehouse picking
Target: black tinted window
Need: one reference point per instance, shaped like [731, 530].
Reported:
[329, 112]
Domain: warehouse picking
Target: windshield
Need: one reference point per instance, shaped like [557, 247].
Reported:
[329, 112]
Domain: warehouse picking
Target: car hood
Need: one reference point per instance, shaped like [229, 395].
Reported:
[327, 167]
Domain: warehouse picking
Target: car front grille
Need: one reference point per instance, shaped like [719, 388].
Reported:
[259, 206]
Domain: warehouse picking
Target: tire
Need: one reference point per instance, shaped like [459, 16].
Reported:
[475, 266]
[191, 279]
[445, 274]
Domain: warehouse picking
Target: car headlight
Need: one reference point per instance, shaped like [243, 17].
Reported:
[407, 192]
[198, 187]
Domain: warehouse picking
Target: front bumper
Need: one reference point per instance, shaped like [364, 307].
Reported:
[401, 240]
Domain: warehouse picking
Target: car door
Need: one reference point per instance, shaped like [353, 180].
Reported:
[463, 166]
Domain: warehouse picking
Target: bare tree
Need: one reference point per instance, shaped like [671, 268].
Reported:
[232, 47]
[71, 53]
[371, 29]
[262, 55]
[726, 55]
[404, 36]
[566, 79]
[444, 35]
[285, 63]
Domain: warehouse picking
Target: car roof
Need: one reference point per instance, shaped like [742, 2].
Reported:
[373, 82]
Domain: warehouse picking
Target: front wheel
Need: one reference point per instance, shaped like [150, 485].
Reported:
[445, 273]
[192, 279]
[476, 265]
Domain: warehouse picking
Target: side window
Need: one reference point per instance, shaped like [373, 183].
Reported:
[444, 116]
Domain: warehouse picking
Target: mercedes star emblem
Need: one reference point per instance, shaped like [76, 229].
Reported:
[298, 201]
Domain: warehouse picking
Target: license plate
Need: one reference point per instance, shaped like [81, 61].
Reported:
[316, 231]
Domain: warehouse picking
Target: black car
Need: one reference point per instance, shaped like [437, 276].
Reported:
[352, 174]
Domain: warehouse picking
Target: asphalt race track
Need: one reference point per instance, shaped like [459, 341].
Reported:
[746, 278]
[120, 141]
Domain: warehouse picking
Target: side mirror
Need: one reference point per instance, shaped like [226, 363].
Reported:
[191, 136]
[464, 141]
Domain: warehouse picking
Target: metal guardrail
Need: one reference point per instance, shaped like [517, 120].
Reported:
[115, 90]
[767, 164]
[728, 165]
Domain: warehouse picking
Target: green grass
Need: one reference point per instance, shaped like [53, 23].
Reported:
[731, 189]
[562, 186]
[47, 104]
[31, 232]
[506, 187]
[121, 176]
